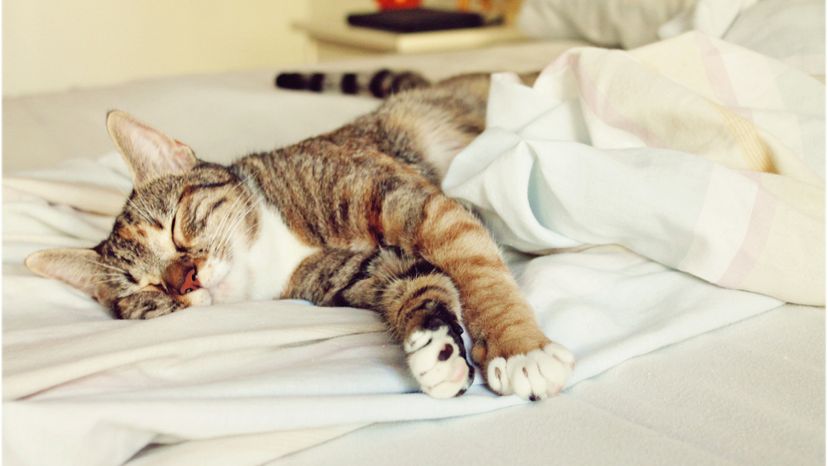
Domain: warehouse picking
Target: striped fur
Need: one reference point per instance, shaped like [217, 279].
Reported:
[353, 217]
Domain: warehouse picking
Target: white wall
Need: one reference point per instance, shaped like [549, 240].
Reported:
[330, 10]
[51, 45]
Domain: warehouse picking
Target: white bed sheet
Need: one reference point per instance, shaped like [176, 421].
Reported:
[226, 115]
[751, 393]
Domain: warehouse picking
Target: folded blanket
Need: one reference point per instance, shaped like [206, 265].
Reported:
[694, 153]
[243, 383]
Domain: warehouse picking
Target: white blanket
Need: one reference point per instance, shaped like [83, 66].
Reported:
[241, 384]
[693, 152]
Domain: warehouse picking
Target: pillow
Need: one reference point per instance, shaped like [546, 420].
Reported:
[712, 17]
[792, 31]
[609, 23]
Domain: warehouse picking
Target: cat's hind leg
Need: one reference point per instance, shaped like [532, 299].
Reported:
[419, 303]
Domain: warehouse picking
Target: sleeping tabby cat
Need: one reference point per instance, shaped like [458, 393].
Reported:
[354, 217]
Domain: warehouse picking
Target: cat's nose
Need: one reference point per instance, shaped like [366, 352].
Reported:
[182, 277]
[191, 282]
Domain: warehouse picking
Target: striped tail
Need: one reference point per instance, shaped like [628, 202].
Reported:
[379, 84]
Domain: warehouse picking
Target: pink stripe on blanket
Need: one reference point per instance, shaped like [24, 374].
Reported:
[599, 103]
[753, 243]
[719, 78]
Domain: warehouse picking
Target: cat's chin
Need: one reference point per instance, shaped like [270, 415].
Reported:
[224, 293]
[215, 280]
[200, 297]
[230, 282]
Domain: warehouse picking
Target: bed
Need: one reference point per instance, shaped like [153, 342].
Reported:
[736, 379]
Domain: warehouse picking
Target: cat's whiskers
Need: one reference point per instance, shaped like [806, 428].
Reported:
[239, 218]
[223, 230]
[142, 210]
[251, 206]
[107, 276]
[246, 232]
[222, 234]
[225, 221]
[108, 280]
[106, 266]
[219, 229]
[231, 232]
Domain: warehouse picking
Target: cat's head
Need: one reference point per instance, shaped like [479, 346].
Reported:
[182, 238]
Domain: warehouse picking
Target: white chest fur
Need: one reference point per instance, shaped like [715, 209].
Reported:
[257, 271]
[273, 257]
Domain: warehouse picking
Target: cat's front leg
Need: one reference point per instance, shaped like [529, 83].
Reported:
[399, 212]
[515, 355]
[532, 367]
[419, 304]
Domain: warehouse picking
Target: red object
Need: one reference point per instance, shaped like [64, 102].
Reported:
[398, 4]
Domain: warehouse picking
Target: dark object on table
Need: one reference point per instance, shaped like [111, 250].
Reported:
[416, 20]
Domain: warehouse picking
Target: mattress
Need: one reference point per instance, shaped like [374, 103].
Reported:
[749, 393]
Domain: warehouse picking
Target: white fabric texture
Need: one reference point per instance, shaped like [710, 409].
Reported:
[246, 383]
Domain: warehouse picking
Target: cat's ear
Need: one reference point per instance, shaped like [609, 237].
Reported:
[148, 152]
[76, 266]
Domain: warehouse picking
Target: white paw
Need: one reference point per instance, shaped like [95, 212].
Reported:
[437, 363]
[199, 297]
[533, 376]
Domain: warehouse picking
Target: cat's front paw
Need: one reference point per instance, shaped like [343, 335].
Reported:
[437, 358]
[534, 375]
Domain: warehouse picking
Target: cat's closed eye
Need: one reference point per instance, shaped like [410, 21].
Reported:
[178, 246]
